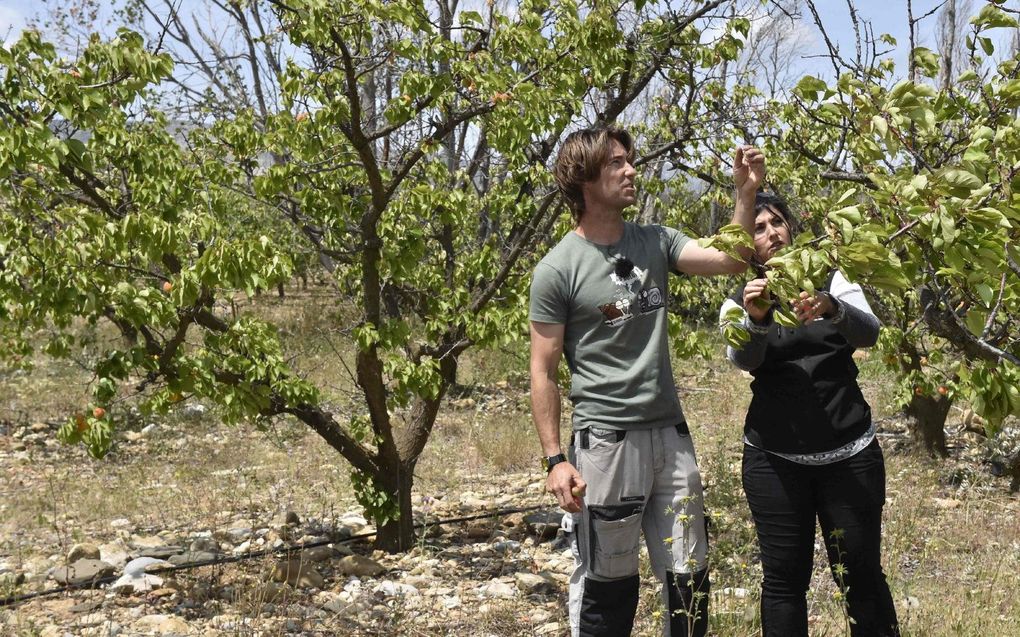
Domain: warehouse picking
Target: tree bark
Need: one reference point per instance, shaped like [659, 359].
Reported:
[928, 427]
[948, 29]
[927, 414]
[396, 536]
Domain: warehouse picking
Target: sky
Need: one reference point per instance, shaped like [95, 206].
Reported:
[886, 16]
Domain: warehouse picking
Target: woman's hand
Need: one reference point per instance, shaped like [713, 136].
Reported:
[757, 300]
[748, 170]
[808, 307]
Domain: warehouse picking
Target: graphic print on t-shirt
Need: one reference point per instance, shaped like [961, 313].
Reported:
[621, 309]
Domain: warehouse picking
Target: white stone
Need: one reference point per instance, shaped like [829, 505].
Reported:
[470, 501]
[115, 553]
[146, 541]
[506, 546]
[162, 625]
[352, 520]
[106, 629]
[531, 583]
[237, 534]
[390, 588]
[89, 619]
[332, 602]
[135, 579]
[194, 409]
[498, 590]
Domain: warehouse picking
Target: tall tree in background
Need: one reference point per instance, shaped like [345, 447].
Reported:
[405, 144]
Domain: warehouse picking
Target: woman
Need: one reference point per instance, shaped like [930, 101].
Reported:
[809, 444]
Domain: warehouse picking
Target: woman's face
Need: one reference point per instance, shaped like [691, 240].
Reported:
[771, 233]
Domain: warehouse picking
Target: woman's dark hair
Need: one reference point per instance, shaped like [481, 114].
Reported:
[764, 200]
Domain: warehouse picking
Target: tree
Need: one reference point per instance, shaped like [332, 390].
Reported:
[405, 145]
[921, 189]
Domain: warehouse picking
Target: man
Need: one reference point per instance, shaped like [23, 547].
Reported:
[599, 298]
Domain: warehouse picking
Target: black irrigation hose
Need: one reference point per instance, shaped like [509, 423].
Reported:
[17, 599]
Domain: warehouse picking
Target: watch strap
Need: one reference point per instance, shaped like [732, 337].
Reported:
[548, 462]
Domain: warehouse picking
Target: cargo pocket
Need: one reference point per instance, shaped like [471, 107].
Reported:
[615, 539]
[602, 449]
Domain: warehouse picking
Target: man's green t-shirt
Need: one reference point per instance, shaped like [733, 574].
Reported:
[615, 339]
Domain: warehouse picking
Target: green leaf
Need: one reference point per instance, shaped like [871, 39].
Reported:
[729, 239]
[991, 17]
[880, 125]
[471, 17]
[926, 61]
[975, 321]
[809, 87]
[960, 182]
[985, 292]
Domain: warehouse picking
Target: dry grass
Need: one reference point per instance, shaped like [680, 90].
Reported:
[951, 548]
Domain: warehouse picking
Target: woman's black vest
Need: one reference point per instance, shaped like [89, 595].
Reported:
[805, 393]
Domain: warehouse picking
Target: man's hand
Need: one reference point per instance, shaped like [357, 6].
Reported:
[748, 170]
[566, 484]
[809, 308]
[755, 292]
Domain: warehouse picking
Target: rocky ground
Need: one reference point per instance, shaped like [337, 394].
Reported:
[498, 575]
[503, 567]
[185, 488]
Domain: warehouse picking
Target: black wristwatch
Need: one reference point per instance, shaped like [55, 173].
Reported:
[548, 462]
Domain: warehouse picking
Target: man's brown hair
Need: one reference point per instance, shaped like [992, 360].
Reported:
[581, 159]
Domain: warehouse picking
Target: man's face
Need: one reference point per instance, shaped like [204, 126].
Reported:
[614, 187]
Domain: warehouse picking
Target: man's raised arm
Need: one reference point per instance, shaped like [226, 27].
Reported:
[748, 176]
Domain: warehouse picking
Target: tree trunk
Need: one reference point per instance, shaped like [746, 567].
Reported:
[948, 29]
[397, 535]
[927, 428]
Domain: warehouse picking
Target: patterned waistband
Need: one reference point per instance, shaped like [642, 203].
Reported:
[848, 450]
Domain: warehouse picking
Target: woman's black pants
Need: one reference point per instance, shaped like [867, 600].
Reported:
[847, 498]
